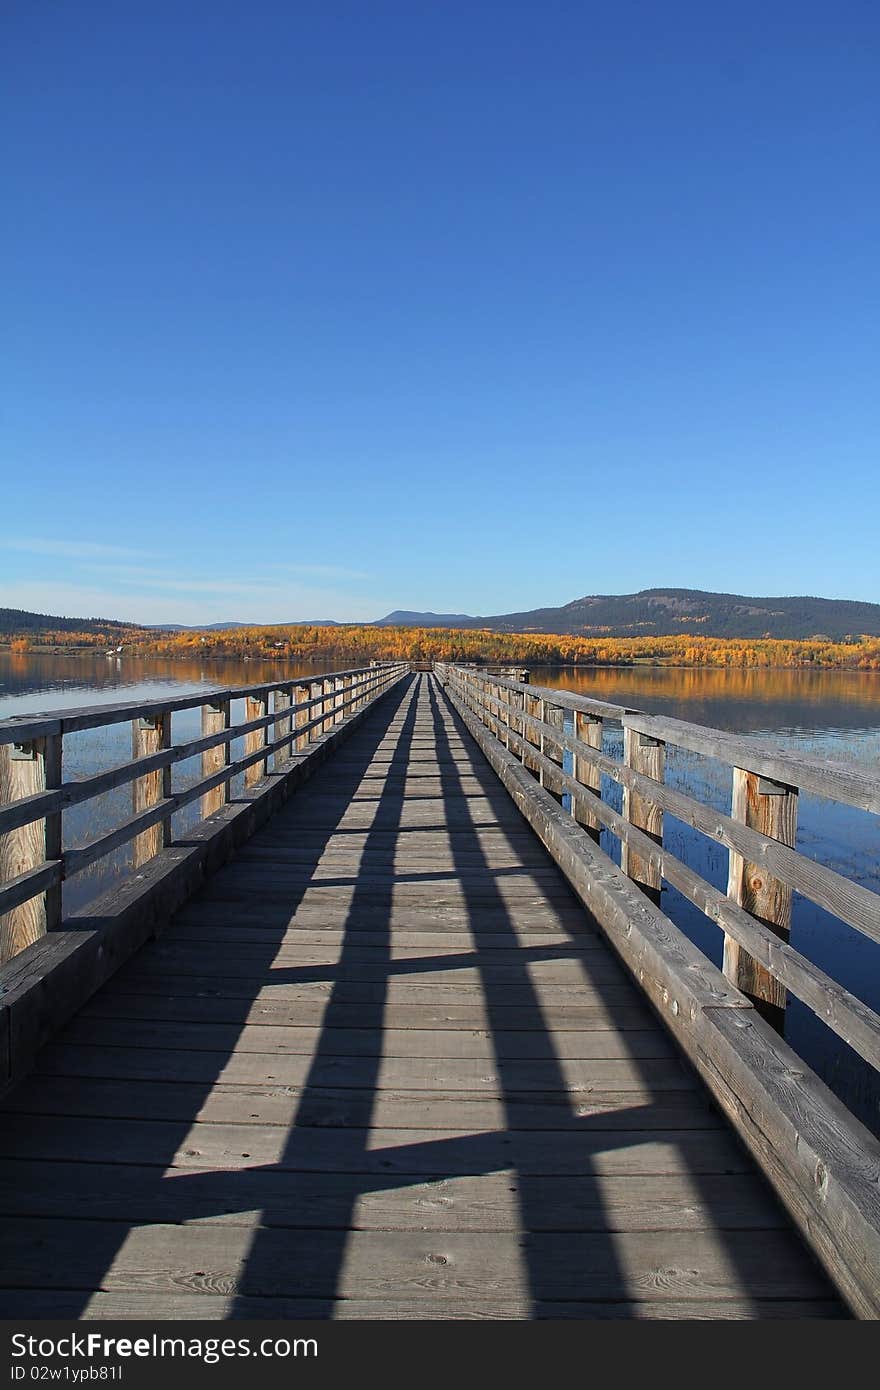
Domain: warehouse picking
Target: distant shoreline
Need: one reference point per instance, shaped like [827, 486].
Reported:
[358, 658]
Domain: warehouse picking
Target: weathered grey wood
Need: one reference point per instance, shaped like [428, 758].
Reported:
[389, 1038]
[340, 1107]
[415, 1043]
[456, 1203]
[301, 717]
[827, 777]
[46, 983]
[849, 1017]
[27, 770]
[466, 1075]
[283, 726]
[474, 1305]
[660, 1265]
[846, 782]
[376, 1151]
[150, 736]
[853, 904]
[772, 813]
[817, 1146]
[551, 747]
[24, 728]
[29, 885]
[256, 707]
[588, 729]
[74, 793]
[215, 720]
[327, 707]
[647, 757]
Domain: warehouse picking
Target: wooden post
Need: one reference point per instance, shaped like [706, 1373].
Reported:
[588, 728]
[647, 756]
[24, 770]
[301, 716]
[339, 686]
[554, 716]
[505, 712]
[515, 721]
[256, 707]
[770, 808]
[150, 735]
[215, 718]
[316, 691]
[282, 727]
[534, 708]
[328, 687]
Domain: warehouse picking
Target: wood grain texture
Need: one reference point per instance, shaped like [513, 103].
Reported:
[215, 719]
[588, 730]
[751, 887]
[647, 757]
[804, 1138]
[29, 771]
[150, 736]
[381, 1064]
[256, 707]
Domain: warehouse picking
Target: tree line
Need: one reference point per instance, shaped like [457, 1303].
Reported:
[361, 644]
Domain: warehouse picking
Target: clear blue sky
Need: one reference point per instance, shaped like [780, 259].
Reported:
[315, 309]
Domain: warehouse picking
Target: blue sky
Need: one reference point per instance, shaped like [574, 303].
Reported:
[318, 309]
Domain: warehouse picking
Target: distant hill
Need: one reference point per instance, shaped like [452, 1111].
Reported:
[403, 618]
[19, 620]
[673, 612]
[649, 613]
[231, 627]
[195, 627]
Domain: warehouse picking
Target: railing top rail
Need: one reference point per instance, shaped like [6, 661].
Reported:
[831, 778]
[25, 727]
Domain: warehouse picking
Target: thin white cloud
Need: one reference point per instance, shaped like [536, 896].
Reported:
[322, 571]
[76, 550]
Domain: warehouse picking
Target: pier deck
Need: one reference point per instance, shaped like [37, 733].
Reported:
[384, 1065]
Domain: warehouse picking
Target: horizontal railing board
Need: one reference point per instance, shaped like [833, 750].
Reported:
[24, 728]
[825, 777]
[852, 903]
[31, 808]
[854, 1021]
[75, 860]
[25, 886]
[48, 981]
[828, 778]
[849, 1017]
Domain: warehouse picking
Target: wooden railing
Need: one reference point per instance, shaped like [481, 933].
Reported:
[34, 795]
[765, 869]
[823, 1162]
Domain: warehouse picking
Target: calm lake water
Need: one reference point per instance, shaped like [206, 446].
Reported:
[833, 714]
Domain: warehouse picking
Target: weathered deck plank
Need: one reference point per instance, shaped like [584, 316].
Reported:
[384, 1066]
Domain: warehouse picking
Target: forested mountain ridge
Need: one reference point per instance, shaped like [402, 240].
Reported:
[675, 613]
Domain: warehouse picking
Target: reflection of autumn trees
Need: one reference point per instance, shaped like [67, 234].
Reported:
[361, 644]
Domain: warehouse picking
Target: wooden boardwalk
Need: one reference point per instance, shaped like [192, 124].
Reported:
[383, 1065]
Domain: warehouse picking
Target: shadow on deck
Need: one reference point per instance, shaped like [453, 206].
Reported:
[289, 1106]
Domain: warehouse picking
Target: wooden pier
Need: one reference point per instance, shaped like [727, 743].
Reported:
[388, 1035]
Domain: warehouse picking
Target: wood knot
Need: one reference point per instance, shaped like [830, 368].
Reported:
[821, 1176]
